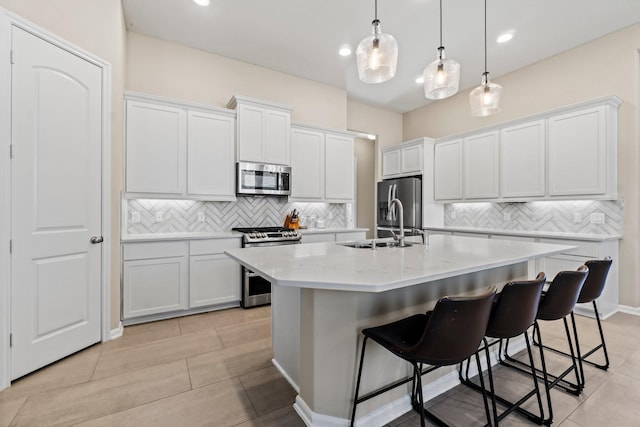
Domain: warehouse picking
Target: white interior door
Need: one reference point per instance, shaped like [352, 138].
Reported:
[56, 203]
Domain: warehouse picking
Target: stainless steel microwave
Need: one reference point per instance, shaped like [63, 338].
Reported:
[263, 179]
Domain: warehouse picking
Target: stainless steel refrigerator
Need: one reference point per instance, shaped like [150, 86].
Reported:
[409, 192]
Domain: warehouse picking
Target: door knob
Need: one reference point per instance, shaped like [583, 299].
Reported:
[96, 239]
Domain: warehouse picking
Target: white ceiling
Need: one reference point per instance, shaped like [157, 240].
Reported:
[302, 37]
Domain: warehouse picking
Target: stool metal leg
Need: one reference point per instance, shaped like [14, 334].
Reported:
[355, 399]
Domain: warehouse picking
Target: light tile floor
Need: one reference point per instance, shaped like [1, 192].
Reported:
[215, 369]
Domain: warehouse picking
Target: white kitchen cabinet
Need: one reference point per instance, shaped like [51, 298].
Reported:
[522, 163]
[307, 160]
[179, 150]
[156, 148]
[578, 153]
[568, 153]
[391, 163]
[405, 159]
[332, 236]
[339, 168]
[154, 278]
[322, 164]
[214, 278]
[262, 131]
[210, 166]
[480, 166]
[448, 170]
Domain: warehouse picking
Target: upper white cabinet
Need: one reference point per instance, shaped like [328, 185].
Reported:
[322, 164]
[448, 170]
[156, 148]
[568, 153]
[578, 152]
[339, 159]
[210, 168]
[179, 150]
[403, 160]
[480, 166]
[307, 160]
[262, 131]
[522, 169]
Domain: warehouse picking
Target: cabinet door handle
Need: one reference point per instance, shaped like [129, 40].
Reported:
[95, 239]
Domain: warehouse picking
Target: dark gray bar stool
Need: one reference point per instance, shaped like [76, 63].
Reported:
[591, 291]
[514, 312]
[448, 335]
[556, 303]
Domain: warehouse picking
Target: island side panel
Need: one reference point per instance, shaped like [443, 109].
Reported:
[330, 338]
[285, 331]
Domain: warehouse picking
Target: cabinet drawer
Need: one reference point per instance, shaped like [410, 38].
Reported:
[131, 251]
[317, 238]
[213, 246]
[354, 235]
[586, 249]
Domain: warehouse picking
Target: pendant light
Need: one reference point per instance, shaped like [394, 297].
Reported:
[377, 54]
[442, 76]
[485, 99]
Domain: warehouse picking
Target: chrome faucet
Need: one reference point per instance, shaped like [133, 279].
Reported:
[422, 233]
[398, 237]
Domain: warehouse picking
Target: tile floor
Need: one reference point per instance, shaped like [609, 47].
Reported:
[215, 369]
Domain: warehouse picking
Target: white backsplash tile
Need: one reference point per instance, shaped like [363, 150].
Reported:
[539, 216]
[181, 216]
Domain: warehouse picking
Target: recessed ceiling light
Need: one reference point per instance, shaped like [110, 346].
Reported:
[345, 51]
[420, 80]
[201, 2]
[503, 38]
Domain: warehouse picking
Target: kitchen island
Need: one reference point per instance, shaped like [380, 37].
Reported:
[324, 294]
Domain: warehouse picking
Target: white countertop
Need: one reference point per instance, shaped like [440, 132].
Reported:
[336, 267]
[304, 231]
[151, 237]
[535, 234]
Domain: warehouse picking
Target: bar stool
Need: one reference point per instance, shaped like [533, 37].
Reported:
[514, 312]
[591, 291]
[448, 335]
[556, 303]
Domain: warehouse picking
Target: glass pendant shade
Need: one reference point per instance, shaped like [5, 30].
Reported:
[485, 99]
[377, 56]
[441, 77]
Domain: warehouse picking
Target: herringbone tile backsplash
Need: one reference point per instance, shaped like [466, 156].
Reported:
[180, 216]
[539, 216]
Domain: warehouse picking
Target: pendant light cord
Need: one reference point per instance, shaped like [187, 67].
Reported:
[440, 23]
[485, 36]
[376, 9]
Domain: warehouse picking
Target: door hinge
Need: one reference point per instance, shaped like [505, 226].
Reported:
[10, 245]
[11, 56]
[11, 151]
[10, 340]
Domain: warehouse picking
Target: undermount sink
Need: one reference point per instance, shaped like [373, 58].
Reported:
[369, 244]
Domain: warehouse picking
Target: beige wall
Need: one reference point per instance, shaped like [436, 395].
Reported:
[607, 66]
[96, 26]
[167, 69]
[384, 123]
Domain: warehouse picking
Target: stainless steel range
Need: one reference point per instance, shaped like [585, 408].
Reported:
[255, 289]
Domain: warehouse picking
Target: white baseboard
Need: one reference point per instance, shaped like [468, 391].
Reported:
[392, 410]
[117, 332]
[629, 310]
[285, 375]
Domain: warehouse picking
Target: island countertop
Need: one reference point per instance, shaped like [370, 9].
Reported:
[332, 266]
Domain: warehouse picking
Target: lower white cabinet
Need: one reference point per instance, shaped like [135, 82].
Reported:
[331, 236]
[154, 278]
[214, 278]
[165, 279]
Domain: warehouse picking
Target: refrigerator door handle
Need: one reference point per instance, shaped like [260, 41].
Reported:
[389, 214]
